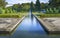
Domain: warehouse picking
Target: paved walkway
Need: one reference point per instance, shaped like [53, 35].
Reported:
[52, 25]
[53, 22]
[7, 24]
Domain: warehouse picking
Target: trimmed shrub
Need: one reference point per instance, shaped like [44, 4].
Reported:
[49, 15]
[9, 16]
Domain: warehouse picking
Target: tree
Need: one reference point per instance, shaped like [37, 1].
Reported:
[32, 6]
[16, 7]
[25, 7]
[54, 3]
[37, 5]
[2, 3]
[42, 6]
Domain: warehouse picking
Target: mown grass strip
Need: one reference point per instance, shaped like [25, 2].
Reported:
[48, 15]
[10, 16]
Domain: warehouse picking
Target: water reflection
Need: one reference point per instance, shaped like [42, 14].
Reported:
[29, 28]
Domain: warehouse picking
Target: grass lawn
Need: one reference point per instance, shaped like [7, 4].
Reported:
[46, 15]
[13, 15]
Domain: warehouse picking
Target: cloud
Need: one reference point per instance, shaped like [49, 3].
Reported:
[17, 1]
[23, 1]
[11, 2]
[45, 1]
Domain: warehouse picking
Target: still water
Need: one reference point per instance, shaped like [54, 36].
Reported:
[30, 28]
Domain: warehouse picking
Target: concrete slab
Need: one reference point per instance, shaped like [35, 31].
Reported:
[51, 24]
[8, 24]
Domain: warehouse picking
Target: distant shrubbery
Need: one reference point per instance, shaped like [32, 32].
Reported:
[2, 11]
[49, 15]
[53, 10]
[5, 11]
[9, 16]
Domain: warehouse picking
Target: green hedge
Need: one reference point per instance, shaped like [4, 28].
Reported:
[53, 10]
[49, 15]
[9, 16]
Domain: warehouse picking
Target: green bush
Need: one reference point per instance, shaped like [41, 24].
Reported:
[49, 15]
[52, 10]
[1, 11]
[9, 16]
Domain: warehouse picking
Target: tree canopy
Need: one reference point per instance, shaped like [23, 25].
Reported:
[2, 3]
[37, 5]
[54, 3]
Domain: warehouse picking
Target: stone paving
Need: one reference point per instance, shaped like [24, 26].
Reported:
[6, 24]
[52, 25]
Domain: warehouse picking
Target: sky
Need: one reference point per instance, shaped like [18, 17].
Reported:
[11, 2]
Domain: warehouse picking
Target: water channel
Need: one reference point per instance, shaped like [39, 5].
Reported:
[29, 28]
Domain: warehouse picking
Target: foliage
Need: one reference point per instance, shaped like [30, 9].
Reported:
[8, 16]
[16, 7]
[25, 7]
[43, 5]
[2, 11]
[37, 5]
[12, 15]
[31, 6]
[52, 10]
[49, 15]
[54, 3]
[3, 3]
